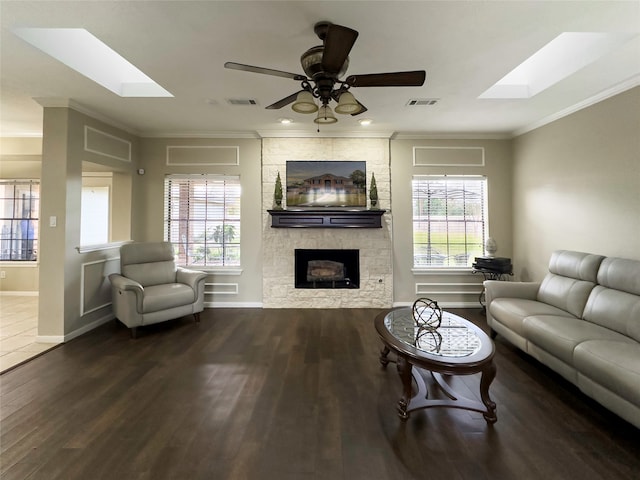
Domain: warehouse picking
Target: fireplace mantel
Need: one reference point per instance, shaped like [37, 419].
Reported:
[326, 218]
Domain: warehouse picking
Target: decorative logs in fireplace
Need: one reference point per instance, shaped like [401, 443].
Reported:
[325, 271]
[327, 268]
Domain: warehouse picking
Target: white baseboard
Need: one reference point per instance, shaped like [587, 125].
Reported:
[49, 339]
[89, 327]
[232, 304]
[76, 333]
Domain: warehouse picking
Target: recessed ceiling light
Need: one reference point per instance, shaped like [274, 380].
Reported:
[80, 50]
[558, 59]
[364, 122]
[285, 121]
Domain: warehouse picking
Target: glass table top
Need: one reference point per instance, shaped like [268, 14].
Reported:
[453, 338]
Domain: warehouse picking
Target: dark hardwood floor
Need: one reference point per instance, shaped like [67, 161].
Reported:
[287, 395]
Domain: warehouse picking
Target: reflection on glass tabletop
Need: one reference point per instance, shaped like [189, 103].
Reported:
[451, 339]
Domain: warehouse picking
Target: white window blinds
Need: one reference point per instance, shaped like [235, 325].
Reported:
[202, 219]
[449, 220]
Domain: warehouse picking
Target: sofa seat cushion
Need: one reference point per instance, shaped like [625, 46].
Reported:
[560, 335]
[512, 311]
[614, 365]
[163, 297]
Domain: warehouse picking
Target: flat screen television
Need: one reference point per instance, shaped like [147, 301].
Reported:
[326, 184]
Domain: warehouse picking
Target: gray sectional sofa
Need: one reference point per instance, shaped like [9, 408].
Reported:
[582, 320]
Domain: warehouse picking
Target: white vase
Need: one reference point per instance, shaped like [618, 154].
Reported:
[491, 247]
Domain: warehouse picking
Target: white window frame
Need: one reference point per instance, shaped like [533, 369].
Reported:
[13, 240]
[209, 237]
[453, 239]
[95, 210]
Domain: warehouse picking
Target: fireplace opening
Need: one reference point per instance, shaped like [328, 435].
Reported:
[327, 268]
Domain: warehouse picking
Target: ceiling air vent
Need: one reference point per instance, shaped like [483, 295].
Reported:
[242, 101]
[422, 102]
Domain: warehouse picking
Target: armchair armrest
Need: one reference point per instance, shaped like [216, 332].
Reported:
[126, 284]
[190, 277]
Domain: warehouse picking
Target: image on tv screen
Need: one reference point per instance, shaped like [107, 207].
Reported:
[327, 183]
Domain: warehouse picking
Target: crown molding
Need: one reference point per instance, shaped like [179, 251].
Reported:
[248, 134]
[321, 134]
[599, 97]
[54, 102]
[450, 136]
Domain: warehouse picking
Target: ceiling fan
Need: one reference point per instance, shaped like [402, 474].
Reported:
[323, 66]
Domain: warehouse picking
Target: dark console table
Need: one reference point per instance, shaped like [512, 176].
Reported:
[326, 218]
[492, 268]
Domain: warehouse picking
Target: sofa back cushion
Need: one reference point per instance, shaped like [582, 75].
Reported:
[148, 263]
[571, 277]
[615, 302]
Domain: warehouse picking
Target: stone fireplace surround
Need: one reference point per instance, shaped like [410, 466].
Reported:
[279, 244]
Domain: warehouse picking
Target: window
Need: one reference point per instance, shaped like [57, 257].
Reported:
[449, 220]
[19, 206]
[94, 215]
[202, 219]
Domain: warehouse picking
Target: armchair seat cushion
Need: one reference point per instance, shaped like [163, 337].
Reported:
[166, 296]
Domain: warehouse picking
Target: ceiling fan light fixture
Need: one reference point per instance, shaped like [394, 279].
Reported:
[347, 104]
[304, 103]
[325, 116]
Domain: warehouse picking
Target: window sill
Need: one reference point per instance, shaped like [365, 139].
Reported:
[100, 247]
[216, 270]
[19, 263]
[440, 271]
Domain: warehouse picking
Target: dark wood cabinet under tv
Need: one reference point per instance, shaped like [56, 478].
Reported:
[326, 218]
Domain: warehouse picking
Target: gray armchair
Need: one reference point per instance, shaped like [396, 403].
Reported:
[151, 289]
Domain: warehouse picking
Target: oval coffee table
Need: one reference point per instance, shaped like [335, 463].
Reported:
[456, 347]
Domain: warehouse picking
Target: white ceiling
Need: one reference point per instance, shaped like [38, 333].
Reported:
[464, 46]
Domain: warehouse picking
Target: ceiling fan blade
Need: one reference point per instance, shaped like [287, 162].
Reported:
[337, 45]
[284, 102]
[396, 79]
[265, 71]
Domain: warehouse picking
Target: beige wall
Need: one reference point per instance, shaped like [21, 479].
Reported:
[73, 286]
[163, 156]
[449, 287]
[576, 185]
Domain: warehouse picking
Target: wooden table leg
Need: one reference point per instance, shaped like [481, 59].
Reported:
[488, 374]
[404, 369]
[384, 360]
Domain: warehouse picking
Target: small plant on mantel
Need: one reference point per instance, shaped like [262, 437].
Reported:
[373, 193]
[277, 194]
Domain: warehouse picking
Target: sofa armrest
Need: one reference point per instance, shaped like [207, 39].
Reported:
[496, 289]
[125, 284]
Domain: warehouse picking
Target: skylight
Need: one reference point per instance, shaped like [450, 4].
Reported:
[557, 60]
[83, 52]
